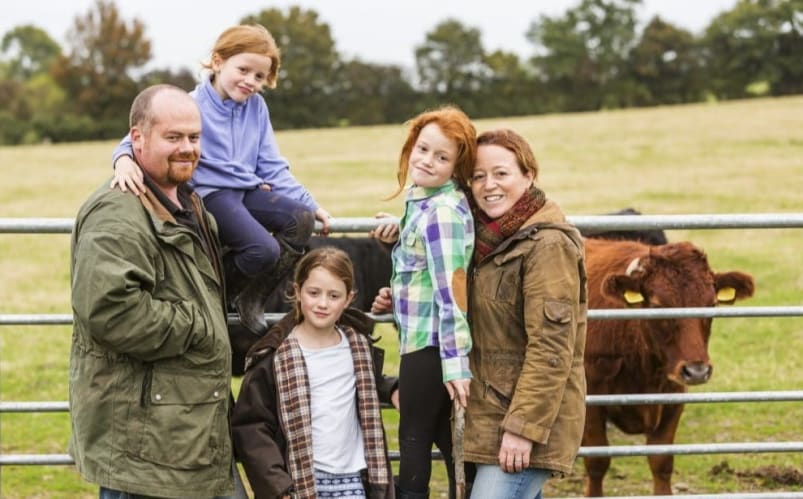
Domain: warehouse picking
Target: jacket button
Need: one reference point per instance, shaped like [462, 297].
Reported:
[215, 395]
[157, 397]
[553, 362]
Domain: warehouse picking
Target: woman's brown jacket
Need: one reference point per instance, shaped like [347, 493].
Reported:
[527, 314]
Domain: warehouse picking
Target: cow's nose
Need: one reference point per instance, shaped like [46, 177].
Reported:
[696, 373]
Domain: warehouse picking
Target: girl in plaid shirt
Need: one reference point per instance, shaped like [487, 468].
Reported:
[434, 246]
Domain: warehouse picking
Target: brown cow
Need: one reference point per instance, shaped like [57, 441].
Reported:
[651, 355]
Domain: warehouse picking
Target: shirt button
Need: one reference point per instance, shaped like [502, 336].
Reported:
[157, 397]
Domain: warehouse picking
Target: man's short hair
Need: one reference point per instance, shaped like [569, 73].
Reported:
[141, 109]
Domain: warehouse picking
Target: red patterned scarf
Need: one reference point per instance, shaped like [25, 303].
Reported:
[491, 232]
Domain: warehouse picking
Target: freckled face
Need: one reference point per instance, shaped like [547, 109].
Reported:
[432, 159]
[498, 182]
[322, 298]
[240, 76]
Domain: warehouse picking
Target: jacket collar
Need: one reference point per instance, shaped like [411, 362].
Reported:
[171, 232]
[351, 317]
[550, 216]
[210, 95]
[417, 193]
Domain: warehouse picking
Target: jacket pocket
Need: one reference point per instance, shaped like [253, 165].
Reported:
[184, 421]
[558, 321]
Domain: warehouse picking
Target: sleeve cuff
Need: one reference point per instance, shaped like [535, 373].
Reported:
[455, 368]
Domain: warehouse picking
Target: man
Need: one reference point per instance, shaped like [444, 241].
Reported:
[150, 364]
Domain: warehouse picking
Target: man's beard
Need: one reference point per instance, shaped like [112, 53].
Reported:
[179, 174]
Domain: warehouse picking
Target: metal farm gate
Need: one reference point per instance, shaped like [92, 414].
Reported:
[619, 222]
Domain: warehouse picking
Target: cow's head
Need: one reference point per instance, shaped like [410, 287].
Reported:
[670, 276]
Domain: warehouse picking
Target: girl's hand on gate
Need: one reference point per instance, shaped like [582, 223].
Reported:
[127, 176]
[324, 217]
[387, 233]
[383, 303]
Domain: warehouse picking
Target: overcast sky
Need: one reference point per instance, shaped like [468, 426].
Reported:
[182, 32]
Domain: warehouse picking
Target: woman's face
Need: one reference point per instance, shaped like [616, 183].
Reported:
[498, 182]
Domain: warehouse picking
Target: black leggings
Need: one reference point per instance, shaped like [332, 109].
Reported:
[424, 414]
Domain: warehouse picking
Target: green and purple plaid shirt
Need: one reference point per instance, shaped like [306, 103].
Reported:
[436, 240]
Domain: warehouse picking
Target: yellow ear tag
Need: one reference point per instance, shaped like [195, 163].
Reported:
[726, 294]
[633, 297]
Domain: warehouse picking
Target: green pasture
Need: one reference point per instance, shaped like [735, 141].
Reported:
[734, 157]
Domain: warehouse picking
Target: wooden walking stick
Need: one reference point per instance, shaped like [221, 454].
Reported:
[458, 430]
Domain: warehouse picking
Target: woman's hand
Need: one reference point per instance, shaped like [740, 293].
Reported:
[387, 233]
[459, 388]
[383, 302]
[394, 399]
[514, 454]
[324, 217]
[127, 176]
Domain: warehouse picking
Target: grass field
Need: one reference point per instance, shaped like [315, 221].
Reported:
[736, 157]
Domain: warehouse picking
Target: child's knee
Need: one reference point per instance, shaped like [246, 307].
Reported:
[298, 237]
[258, 258]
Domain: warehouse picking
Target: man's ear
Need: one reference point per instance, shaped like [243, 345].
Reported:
[136, 137]
[352, 294]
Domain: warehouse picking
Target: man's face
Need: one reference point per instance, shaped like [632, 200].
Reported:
[168, 149]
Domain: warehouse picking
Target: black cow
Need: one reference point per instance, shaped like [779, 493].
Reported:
[372, 269]
[653, 237]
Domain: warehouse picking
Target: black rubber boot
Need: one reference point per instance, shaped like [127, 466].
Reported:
[250, 302]
[406, 494]
[235, 279]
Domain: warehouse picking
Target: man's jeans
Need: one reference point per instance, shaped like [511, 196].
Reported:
[239, 492]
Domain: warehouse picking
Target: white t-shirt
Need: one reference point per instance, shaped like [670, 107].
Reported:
[337, 440]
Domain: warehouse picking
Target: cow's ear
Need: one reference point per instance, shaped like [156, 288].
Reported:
[732, 286]
[624, 288]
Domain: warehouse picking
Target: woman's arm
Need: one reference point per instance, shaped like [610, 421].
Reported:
[551, 293]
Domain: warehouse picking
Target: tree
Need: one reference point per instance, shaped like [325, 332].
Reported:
[27, 90]
[304, 94]
[583, 54]
[668, 65]
[510, 89]
[97, 71]
[370, 94]
[30, 51]
[450, 61]
[758, 41]
[183, 78]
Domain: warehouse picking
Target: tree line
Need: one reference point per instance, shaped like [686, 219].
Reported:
[591, 57]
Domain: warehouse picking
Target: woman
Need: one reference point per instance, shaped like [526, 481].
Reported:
[527, 312]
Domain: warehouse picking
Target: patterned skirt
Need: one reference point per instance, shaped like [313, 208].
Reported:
[342, 486]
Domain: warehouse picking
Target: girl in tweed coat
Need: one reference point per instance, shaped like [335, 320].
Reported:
[307, 422]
